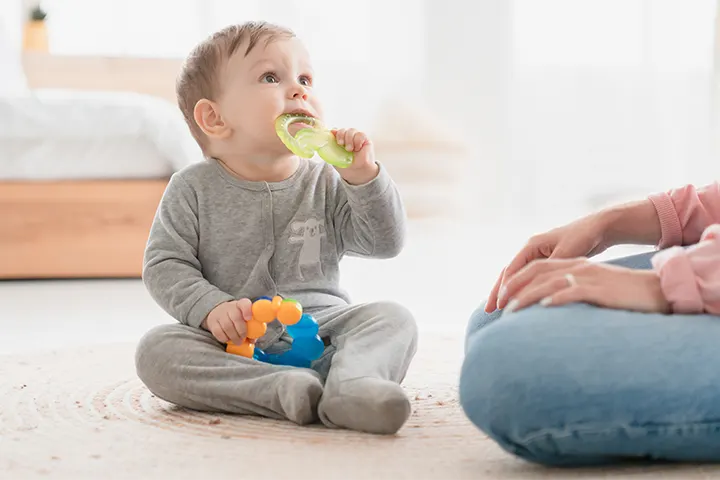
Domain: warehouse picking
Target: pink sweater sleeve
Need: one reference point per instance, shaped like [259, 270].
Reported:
[686, 212]
[689, 278]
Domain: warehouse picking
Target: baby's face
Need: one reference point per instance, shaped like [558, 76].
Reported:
[258, 88]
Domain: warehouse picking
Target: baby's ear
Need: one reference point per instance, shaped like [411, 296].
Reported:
[207, 117]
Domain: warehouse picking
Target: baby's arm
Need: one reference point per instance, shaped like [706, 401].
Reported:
[172, 272]
[369, 219]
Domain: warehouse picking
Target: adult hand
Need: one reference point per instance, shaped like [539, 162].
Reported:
[559, 282]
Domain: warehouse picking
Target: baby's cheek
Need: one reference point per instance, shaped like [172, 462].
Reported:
[317, 106]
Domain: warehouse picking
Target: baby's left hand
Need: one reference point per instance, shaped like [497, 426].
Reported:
[363, 168]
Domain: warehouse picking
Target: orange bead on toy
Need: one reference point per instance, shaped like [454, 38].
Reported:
[246, 349]
[289, 313]
[256, 329]
[263, 311]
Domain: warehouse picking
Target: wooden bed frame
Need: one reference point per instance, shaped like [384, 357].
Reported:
[82, 229]
[75, 229]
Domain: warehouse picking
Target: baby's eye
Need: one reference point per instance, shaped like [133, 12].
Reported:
[270, 78]
[305, 81]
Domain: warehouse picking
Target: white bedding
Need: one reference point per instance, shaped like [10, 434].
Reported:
[74, 135]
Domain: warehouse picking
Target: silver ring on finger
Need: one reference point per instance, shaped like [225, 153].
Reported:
[571, 280]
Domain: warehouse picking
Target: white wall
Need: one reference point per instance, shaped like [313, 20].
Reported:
[612, 97]
[570, 104]
[562, 103]
[467, 72]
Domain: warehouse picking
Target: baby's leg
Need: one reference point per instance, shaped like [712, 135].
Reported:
[188, 367]
[374, 343]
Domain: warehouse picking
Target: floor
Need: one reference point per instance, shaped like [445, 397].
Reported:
[81, 413]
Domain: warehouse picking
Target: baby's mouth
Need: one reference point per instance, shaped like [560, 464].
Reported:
[293, 128]
[299, 124]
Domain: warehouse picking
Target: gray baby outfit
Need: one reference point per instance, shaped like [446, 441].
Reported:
[216, 238]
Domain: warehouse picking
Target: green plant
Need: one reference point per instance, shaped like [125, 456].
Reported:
[38, 14]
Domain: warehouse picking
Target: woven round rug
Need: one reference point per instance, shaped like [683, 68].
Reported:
[83, 414]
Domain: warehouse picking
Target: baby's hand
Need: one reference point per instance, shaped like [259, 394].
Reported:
[228, 321]
[363, 168]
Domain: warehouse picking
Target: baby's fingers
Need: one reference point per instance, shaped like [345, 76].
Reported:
[349, 139]
[230, 327]
[245, 307]
[359, 141]
[218, 332]
[339, 136]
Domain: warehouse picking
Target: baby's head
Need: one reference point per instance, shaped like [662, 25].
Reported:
[234, 85]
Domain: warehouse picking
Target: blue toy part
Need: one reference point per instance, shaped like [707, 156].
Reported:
[306, 342]
[306, 345]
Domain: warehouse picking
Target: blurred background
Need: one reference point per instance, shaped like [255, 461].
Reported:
[497, 118]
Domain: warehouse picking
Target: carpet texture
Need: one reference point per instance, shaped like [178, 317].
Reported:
[82, 414]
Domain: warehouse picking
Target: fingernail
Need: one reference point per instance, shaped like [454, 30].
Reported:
[349, 148]
[511, 306]
[546, 301]
[501, 295]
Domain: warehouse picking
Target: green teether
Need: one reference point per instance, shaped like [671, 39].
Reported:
[307, 141]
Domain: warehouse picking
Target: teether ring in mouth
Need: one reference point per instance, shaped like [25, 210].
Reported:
[315, 138]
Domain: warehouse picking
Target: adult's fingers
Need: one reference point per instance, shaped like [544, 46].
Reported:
[530, 272]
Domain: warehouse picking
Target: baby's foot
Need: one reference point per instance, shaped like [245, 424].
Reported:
[299, 392]
[365, 404]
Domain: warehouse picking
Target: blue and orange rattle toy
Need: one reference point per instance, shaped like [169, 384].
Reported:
[306, 344]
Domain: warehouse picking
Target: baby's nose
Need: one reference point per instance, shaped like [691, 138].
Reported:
[298, 91]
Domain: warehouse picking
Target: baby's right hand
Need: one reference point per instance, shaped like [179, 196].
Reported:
[228, 321]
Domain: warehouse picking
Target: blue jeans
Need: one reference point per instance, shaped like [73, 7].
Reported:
[580, 385]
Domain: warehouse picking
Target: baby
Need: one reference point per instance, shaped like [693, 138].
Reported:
[255, 220]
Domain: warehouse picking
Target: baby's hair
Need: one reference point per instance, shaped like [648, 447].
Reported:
[199, 75]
